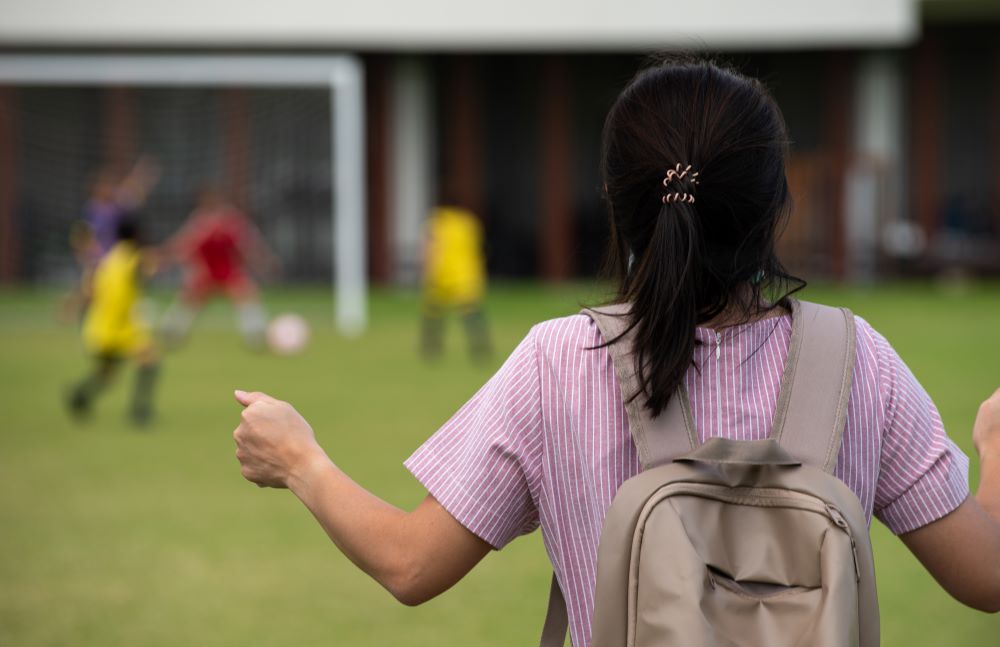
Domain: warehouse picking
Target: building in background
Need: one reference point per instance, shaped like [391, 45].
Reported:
[895, 161]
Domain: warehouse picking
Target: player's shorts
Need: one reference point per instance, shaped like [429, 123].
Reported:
[448, 296]
[123, 340]
[453, 288]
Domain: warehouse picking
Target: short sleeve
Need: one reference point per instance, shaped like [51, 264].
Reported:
[484, 465]
[923, 475]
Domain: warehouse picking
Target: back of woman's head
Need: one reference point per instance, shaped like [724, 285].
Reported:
[694, 173]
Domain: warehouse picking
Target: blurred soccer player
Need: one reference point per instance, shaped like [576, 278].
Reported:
[113, 197]
[112, 332]
[215, 247]
[454, 278]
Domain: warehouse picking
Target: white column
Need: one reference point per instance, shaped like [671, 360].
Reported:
[875, 199]
[411, 162]
[350, 245]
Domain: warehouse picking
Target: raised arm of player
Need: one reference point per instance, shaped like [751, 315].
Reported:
[962, 550]
[414, 555]
[135, 188]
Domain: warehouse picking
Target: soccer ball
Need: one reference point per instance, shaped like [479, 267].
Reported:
[287, 334]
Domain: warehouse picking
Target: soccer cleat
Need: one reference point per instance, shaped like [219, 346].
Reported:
[78, 404]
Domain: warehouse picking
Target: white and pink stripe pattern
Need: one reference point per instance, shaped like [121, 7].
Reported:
[546, 440]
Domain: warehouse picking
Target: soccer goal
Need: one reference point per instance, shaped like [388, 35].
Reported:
[283, 133]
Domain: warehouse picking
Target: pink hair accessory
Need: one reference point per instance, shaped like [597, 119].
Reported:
[679, 172]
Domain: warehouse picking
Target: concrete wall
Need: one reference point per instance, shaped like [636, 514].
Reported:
[626, 25]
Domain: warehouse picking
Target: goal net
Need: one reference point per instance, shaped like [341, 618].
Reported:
[280, 137]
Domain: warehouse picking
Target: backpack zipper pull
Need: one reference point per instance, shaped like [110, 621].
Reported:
[718, 345]
[857, 566]
[840, 522]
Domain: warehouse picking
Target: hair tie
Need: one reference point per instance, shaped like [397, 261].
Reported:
[680, 172]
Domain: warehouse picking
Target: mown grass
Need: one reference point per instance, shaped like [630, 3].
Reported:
[112, 536]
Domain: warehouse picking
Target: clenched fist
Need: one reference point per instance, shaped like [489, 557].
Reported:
[274, 443]
[986, 431]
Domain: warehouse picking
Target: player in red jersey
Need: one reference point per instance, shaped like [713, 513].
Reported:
[215, 246]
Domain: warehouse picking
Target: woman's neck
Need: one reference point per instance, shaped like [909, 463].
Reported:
[736, 315]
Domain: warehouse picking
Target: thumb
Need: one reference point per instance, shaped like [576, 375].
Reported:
[246, 398]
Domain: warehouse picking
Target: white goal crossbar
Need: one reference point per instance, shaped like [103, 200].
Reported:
[342, 75]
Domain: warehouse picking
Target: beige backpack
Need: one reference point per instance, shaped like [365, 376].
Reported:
[749, 543]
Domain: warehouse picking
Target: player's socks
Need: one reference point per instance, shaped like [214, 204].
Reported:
[79, 399]
[142, 395]
[479, 337]
[176, 323]
[253, 324]
[82, 395]
[431, 330]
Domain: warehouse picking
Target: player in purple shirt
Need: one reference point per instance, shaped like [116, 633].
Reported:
[113, 196]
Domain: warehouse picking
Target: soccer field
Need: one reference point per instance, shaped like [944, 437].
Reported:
[112, 536]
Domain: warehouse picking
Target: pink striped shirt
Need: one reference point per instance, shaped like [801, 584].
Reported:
[546, 441]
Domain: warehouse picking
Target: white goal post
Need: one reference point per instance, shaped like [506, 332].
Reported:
[342, 75]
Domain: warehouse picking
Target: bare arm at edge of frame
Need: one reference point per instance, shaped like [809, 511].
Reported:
[415, 555]
[962, 549]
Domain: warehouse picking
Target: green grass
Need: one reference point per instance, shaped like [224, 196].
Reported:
[110, 536]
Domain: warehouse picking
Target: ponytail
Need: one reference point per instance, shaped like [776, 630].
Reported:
[662, 290]
[703, 244]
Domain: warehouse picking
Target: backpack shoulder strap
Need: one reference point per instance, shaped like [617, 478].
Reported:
[816, 384]
[659, 439]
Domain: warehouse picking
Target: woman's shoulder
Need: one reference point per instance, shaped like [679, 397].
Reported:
[876, 364]
[870, 344]
[571, 333]
[867, 339]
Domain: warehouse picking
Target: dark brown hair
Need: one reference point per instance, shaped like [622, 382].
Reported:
[680, 264]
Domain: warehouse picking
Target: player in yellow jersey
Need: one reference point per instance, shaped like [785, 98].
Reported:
[454, 278]
[113, 332]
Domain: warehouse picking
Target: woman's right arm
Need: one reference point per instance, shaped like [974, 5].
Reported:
[962, 549]
[414, 555]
